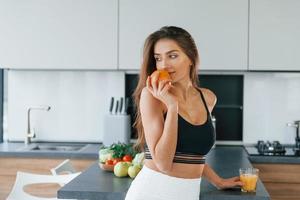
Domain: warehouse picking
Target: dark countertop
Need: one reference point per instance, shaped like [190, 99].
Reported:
[18, 149]
[95, 183]
[90, 151]
[274, 159]
[290, 157]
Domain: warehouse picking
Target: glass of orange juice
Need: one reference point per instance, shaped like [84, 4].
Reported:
[249, 178]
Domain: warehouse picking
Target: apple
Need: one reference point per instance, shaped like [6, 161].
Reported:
[121, 169]
[134, 170]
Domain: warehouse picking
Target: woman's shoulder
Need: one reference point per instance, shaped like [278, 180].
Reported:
[148, 100]
[146, 93]
[147, 96]
[210, 97]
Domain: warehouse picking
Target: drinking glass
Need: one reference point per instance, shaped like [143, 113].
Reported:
[249, 178]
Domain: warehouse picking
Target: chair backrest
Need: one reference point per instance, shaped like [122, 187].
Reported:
[64, 167]
[24, 178]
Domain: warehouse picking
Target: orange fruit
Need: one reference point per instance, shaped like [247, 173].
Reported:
[162, 75]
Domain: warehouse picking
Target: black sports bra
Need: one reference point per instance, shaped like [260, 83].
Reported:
[193, 141]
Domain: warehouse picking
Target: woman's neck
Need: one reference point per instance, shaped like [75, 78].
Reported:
[184, 89]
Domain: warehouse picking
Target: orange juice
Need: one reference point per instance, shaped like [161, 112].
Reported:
[249, 181]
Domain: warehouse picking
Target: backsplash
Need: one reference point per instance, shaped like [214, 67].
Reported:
[79, 101]
[271, 100]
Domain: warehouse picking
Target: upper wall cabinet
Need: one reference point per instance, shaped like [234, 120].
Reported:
[219, 28]
[274, 35]
[58, 34]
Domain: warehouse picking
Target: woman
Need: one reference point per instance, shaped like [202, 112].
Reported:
[173, 121]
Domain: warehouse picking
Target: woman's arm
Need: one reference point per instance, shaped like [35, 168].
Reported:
[219, 182]
[211, 176]
[160, 133]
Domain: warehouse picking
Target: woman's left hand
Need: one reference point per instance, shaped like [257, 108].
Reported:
[230, 183]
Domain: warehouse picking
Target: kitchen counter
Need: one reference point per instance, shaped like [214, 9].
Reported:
[275, 159]
[95, 183]
[288, 158]
[19, 149]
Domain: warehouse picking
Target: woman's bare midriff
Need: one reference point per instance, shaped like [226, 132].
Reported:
[180, 170]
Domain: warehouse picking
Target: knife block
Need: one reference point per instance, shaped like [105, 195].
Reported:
[117, 128]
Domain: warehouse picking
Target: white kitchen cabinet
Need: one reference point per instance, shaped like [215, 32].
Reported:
[58, 34]
[218, 27]
[274, 35]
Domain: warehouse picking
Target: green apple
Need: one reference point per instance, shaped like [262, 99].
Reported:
[134, 170]
[121, 169]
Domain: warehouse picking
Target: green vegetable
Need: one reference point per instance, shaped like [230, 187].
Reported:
[105, 154]
[139, 159]
[122, 149]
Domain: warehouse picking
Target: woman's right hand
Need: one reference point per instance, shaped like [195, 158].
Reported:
[161, 90]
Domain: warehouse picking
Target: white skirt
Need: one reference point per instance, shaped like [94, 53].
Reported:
[152, 185]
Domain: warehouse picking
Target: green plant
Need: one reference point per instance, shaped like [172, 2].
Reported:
[122, 149]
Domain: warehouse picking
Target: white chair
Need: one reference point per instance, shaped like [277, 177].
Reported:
[64, 167]
[24, 178]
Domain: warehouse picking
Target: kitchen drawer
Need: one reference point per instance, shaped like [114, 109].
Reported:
[283, 191]
[282, 181]
[280, 173]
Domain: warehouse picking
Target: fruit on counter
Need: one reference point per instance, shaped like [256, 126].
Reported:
[133, 170]
[106, 167]
[122, 159]
[105, 154]
[139, 159]
[121, 169]
[109, 162]
[127, 158]
[116, 152]
[116, 160]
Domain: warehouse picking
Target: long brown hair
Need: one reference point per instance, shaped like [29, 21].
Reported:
[185, 41]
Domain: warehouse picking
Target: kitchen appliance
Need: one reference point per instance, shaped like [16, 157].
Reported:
[268, 148]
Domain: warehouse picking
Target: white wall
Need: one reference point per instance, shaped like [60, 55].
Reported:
[271, 100]
[78, 99]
